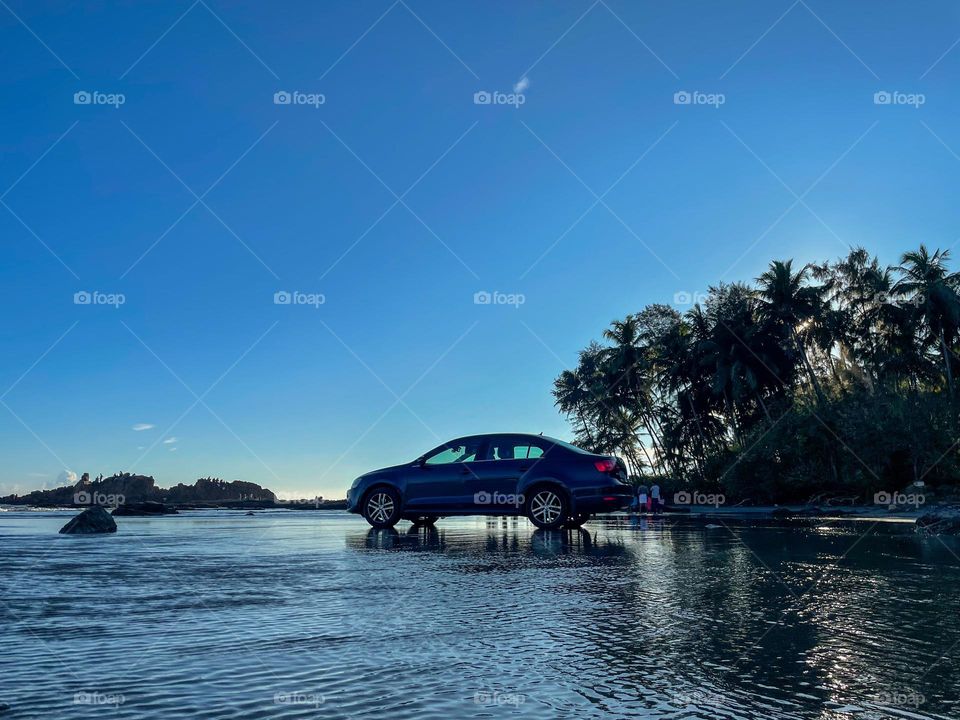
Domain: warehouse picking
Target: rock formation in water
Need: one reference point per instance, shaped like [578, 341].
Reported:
[91, 521]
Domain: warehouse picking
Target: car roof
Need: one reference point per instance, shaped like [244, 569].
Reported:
[500, 434]
[532, 436]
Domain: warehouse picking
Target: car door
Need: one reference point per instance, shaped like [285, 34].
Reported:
[494, 482]
[437, 483]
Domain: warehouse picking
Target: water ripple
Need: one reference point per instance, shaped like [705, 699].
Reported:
[309, 614]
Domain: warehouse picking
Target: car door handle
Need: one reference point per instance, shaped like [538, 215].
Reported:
[466, 471]
[524, 468]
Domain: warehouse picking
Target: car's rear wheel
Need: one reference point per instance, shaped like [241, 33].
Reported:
[547, 508]
[576, 520]
[381, 508]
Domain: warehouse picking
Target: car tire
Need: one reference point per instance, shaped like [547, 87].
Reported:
[576, 520]
[381, 507]
[547, 507]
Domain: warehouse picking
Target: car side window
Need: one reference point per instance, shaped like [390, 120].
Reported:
[513, 449]
[457, 452]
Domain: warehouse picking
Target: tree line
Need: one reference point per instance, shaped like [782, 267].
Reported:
[835, 378]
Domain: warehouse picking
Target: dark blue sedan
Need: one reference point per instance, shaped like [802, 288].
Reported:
[552, 482]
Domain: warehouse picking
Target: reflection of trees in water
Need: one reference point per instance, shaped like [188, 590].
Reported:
[752, 617]
[687, 605]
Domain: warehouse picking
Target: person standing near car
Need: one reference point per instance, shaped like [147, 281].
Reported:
[642, 498]
[655, 499]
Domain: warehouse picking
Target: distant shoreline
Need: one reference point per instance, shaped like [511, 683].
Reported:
[221, 505]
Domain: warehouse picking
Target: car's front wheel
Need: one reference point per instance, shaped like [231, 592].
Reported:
[547, 508]
[381, 508]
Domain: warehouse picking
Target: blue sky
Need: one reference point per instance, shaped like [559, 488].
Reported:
[398, 198]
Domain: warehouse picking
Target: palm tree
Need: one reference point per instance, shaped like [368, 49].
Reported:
[628, 381]
[743, 356]
[572, 398]
[791, 305]
[932, 290]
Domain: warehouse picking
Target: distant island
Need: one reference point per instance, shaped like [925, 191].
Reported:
[126, 488]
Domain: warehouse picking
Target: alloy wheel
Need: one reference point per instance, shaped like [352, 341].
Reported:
[380, 507]
[546, 507]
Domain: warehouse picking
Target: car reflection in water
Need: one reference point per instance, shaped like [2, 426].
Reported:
[507, 536]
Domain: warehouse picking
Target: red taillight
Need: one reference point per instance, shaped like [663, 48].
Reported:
[605, 465]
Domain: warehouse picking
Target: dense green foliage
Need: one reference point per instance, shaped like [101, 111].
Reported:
[835, 378]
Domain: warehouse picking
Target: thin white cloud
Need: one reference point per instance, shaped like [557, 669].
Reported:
[169, 441]
[173, 449]
[67, 477]
[521, 84]
[139, 427]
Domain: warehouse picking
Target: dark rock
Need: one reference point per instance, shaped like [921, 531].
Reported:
[942, 521]
[148, 508]
[94, 520]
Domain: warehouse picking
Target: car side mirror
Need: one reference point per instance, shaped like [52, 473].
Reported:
[420, 461]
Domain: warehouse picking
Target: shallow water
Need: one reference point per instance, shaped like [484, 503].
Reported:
[308, 614]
